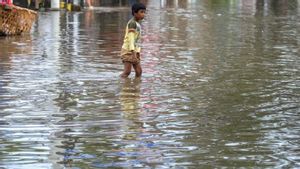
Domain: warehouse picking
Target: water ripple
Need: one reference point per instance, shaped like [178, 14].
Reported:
[220, 88]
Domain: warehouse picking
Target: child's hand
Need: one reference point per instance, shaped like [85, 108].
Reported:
[134, 54]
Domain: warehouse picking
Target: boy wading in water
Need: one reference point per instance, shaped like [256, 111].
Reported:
[130, 53]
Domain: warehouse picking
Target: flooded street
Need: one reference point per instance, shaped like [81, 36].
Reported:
[220, 88]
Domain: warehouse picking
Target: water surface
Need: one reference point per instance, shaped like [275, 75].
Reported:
[220, 88]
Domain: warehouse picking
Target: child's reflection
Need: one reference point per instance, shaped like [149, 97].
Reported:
[136, 142]
[129, 97]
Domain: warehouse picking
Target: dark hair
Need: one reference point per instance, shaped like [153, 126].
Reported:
[136, 7]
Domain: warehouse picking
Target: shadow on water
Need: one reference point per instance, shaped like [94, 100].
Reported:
[220, 88]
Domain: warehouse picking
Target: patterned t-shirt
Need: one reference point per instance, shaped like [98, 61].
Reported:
[132, 37]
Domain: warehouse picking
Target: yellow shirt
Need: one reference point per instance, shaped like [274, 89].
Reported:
[132, 37]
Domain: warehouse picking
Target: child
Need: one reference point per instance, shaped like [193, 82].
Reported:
[130, 53]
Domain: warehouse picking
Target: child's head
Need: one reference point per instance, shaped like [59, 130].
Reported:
[138, 10]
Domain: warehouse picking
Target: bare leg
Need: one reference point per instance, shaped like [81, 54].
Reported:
[89, 3]
[127, 70]
[138, 69]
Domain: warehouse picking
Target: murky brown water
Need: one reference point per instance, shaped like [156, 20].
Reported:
[220, 88]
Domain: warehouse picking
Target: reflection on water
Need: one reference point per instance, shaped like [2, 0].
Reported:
[220, 89]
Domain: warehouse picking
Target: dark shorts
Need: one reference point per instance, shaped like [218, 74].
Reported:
[129, 57]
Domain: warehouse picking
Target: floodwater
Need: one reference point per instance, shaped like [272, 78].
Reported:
[220, 88]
